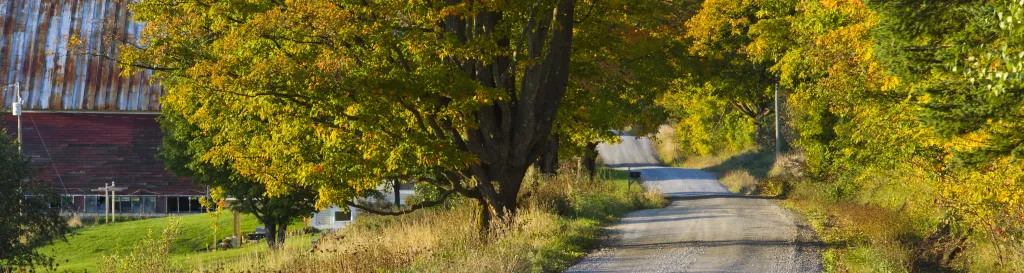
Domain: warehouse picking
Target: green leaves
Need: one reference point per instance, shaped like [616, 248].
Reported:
[707, 124]
[28, 219]
[996, 64]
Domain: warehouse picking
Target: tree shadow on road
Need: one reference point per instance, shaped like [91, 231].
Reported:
[716, 196]
[742, 173]
[766, 243]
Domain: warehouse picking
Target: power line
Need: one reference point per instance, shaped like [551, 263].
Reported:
[52, 161]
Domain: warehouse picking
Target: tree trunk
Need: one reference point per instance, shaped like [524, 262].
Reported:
[512, 133]
[271, 231]
[590, 160]
[501, 196]
[549, 158]
[483, 217]
[398, 196]
[281, 231]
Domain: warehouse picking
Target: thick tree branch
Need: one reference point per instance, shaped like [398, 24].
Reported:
[136, 65]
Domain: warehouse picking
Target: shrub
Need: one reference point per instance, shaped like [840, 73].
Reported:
[775, 185]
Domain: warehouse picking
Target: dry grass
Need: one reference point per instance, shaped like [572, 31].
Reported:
[990, 256]
[557, 222]
[75, 221]
[667, 148]
[862, 238]
[739, 181]
[867, 237]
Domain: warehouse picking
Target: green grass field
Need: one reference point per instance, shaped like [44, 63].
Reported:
[87, 246]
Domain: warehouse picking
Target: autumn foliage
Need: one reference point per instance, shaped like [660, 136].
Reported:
[913, 106]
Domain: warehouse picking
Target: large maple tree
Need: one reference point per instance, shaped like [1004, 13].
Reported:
[341, 95]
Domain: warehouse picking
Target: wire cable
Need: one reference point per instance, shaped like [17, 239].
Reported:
[36, 127]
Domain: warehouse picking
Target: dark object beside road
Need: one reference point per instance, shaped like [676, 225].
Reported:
[257, 235]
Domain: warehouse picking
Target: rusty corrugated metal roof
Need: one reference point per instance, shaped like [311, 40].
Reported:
[34, 52]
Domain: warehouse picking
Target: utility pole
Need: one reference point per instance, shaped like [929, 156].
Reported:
[113, 196]
[109, 213]
[106, 197]
[16, 110]
[778, 139]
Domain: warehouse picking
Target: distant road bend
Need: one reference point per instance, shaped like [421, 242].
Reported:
[705, 229]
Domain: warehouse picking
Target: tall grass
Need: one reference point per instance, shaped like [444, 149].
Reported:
[559, 218]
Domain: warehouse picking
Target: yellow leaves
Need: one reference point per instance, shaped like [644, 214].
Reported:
[983, 198]
[711, 27]
[352, 110]
[972, 141]
[889, 83]
[326, 197]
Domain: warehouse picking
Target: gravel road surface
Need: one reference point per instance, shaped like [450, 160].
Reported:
[705, 229]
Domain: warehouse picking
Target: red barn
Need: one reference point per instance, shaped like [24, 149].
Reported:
[83, 124]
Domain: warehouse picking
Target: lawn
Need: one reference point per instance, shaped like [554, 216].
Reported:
[87, 246]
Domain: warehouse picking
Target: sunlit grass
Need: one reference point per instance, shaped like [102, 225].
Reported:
[87, 246]
[559, 219]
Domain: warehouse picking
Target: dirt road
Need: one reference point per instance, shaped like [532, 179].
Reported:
[705, 229]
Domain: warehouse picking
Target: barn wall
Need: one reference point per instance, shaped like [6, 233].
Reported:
[79, 152]
[34, 51]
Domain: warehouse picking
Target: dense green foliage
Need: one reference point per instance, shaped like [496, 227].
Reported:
[724, 99]
[29, 211]
[184, 144]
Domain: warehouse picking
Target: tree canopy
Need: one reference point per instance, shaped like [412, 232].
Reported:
[339, 95]
[184, 143]
[912, 105]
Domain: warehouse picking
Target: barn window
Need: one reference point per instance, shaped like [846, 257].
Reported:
[194, 205]
[97, 204]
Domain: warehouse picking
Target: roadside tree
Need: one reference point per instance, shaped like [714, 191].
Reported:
[183, 144]
[338, 96]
